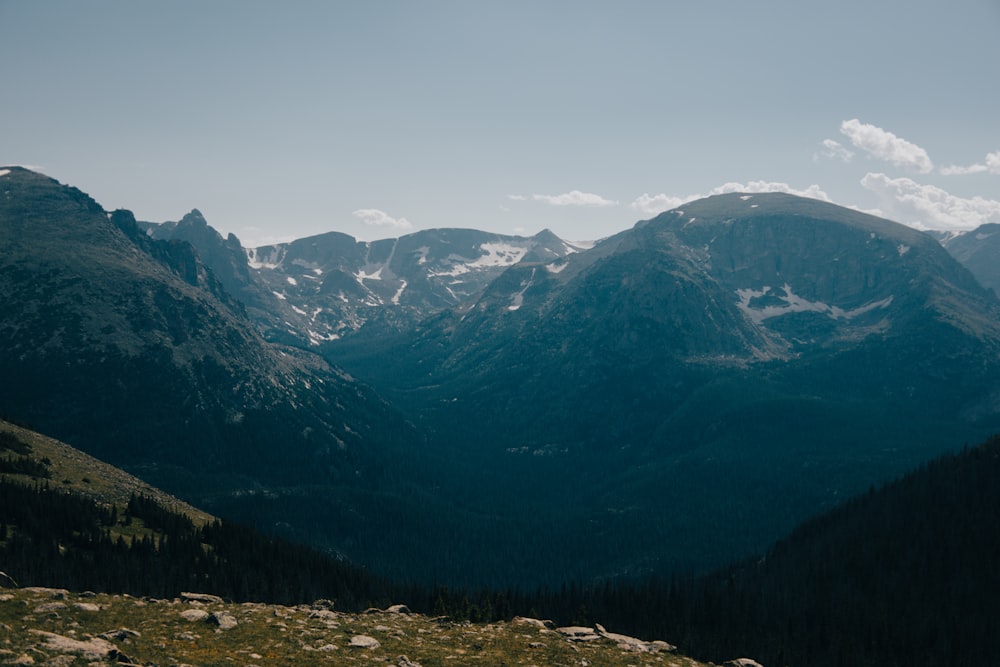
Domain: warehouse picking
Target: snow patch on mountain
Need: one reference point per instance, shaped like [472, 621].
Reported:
[271, 258]
[362, 275]
[4, 172]
[517, 299]
[783, 301]
[399, 293]
[499, 254]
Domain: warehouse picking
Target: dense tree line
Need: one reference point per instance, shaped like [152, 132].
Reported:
[52, 538]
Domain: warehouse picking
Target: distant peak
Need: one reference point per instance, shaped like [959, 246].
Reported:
[194, 218]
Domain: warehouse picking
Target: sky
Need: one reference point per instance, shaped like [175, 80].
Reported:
[281, 120]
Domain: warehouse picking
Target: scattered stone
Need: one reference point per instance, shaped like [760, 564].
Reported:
[201, 597]
[576, 633]
[194, 615]
[364, 641]
[398, 609]
[223, 619]
[537, 645]
[742, 662]
[87, 606]
[542, 625]
[92, 649]
[323, 604]
[328, 647]
[50, 607]
[54, 593]
[121, 634]
[403, 661]
[22, 660]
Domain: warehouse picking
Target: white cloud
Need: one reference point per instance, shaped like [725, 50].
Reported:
[652, 205]
[928, 206]
[834, 150]
[991, 164]
[517, 197]
[886, 146]
[574, 198]
[377, 218]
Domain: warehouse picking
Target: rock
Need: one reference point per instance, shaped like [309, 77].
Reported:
[91, 649]
[543, 625]
[54, 593]
[323, 604]
[194, 615]
[398, 609]
[742, 662]
[22, 660]
[50, 607]
[403, 661]
[223, 619]
[121, 634]
[201, 597]
[576, 633]
[328, 648]
[364, 641]
[87, 606]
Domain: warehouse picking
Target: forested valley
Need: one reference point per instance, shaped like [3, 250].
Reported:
[904, 575]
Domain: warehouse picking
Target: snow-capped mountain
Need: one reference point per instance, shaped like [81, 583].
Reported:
[324, 288]
[709, 376]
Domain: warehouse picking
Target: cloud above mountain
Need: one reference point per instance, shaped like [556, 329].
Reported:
[572, 198]
[884, 145]
[377, 218]
[928, 206]
[655, 204]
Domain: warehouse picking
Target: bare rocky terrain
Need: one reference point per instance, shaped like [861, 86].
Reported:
[48, 626]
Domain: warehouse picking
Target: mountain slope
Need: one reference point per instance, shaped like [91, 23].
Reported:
[323, 288]
[979, 251]
[797, 350]
[131, 349]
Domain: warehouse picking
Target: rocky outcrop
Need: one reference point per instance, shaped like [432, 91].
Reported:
[196, 625]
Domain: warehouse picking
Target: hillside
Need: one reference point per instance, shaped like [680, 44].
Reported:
[53, 624]
[692, 388]
[131, 349]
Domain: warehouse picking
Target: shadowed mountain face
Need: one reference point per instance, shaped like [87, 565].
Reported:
[698, 384]
[680, 394]
[979, 251]
[131, 349]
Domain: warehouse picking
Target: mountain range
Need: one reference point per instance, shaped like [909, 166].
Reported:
[466, 407]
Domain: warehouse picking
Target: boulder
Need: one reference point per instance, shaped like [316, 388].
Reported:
[194, 615]
[577, 633]
[364, 641]
[91, 649]
[201, 597]
[540, 624]
[398, 609]
[223, 619]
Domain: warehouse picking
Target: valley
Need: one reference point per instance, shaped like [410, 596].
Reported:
[461, 410]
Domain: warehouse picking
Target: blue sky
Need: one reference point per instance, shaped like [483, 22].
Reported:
[377, 118]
